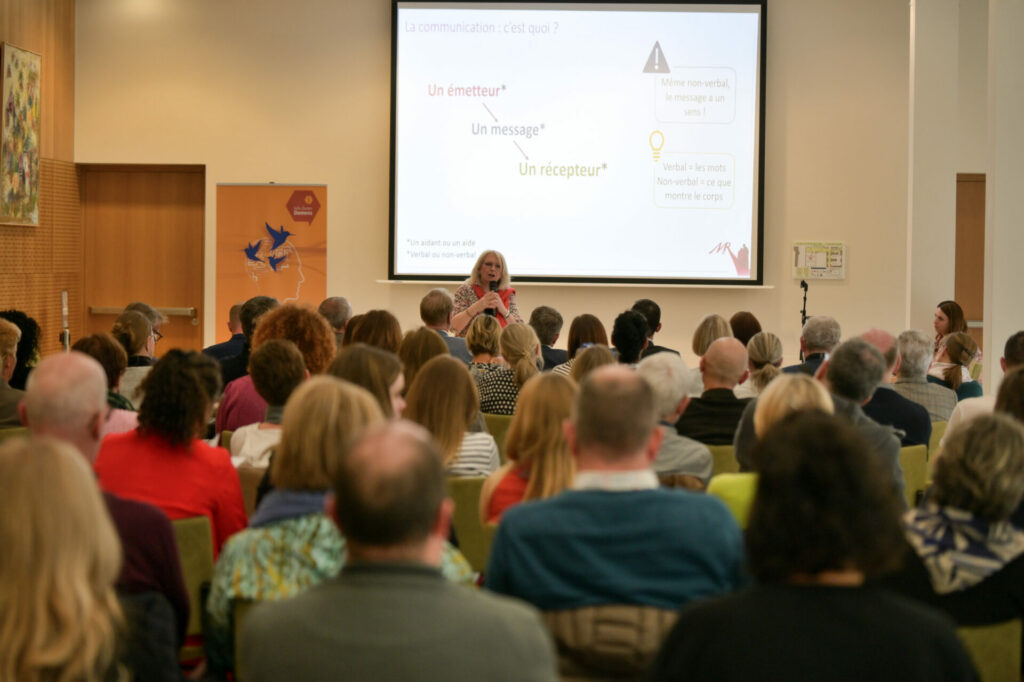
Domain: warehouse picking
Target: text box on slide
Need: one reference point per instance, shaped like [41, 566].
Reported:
[696, 95]
[695, 181]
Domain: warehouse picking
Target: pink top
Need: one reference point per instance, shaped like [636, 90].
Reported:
[241, 405]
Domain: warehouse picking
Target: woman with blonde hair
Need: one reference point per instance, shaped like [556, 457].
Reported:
[59, 614]
[291, 544]
[483, 339]
[788, 394]
[443, 400]
[499, 389]
[589, 359]
[764, 358]
[951, 367]
[487, 289]
[539, 461]
[709, 329]
[417, 348]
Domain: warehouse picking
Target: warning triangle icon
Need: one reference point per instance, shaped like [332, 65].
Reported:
[657, 63]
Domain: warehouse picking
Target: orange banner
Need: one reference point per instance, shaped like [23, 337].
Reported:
[271, 241]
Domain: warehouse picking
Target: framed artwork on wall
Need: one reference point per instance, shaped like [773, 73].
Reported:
[20, 83]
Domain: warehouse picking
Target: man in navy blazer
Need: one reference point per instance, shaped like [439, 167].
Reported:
[547, 322]
[889, 407]
[436, 312]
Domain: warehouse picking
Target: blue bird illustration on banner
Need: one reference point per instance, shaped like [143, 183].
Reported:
[274, 261]
[279, 236]
[252, 250]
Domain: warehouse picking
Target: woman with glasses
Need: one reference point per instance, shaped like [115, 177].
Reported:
[487, 289]
[135, 333]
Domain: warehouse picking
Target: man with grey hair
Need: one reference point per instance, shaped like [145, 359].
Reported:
[916, 350]
[337, 311]
[436, 309]
[668, 377]
[886, 406]
[616, 537]
[820, 335]
[9, 397]
[712, 418]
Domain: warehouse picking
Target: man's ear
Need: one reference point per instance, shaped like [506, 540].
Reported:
[896, 367]
[746, 375]
[822, 373]
[443, 520]
[569, 430]
[555, 340]
[96, 425]
[1002, 364]
[658, 328]
[653, 444]
[681, 407]
[22, 414]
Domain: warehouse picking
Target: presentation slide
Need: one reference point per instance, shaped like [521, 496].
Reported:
[586, 142]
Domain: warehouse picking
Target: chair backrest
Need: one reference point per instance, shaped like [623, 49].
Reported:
[616, 641]
[474, 541]
[975, 370]
[737, 491]
[225, 439]
[195, 548]
[240, 609]
[938, 431]
[995, 650]
[498, 425]
[914, 463]
[250, 477]
[12, 432]
[724, 458]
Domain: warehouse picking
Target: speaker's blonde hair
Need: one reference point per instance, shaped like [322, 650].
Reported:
[535, 438]
[59, 614]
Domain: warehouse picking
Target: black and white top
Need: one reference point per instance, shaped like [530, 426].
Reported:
[479, 369]
[498, 391]
[477, 456]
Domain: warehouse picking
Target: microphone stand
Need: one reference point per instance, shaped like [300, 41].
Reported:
[803, 312]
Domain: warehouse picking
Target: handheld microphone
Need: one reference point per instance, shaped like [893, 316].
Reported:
[492, 311]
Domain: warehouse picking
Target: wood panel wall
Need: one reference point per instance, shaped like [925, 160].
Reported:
[36, 263]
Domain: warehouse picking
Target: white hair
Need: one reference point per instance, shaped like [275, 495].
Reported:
[667, 376]
[64, 391]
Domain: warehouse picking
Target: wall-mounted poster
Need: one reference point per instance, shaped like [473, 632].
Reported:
[271, 241]
[21, 77]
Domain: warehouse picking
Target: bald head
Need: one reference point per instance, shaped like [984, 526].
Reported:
[885, 343]
[724, 363]
[614, 414]
[66, 397]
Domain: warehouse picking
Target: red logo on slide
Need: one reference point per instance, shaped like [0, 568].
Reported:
[303, 205]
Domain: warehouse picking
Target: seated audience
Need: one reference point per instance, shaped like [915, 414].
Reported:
[368, 623]
[377, 328]
[708, 330]
[417, 348]
[483, 338]
[1010, 398]
[588, 359]
[585, 331]
[499, 388]
[156, 318]
[234, 345]
[60, 558]
[951, 367]
[136, 335]
[238, 365]
[547, 323]
[376, 370]
[337, 311]
[291, 544]
[301, 325]
[764, 353]
[667, 376]
[949, 319]
[791, 393]
[744, 327]
[28, 346]
[104, 349]
[616, 537]
[276, 368]
[163, 462]
[436, 309]
[886, 406]
[819, 336]
[629, 336]
[9, 396]
[652, 313]
[825, 519]
[967, 409]
[443, 399]
[712, 418]
[539, 465]
[915, 349]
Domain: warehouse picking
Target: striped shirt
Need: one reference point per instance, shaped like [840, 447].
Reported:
[477, 456]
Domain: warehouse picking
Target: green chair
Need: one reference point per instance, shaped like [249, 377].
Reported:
[225, 439]
[737, 491]
[914, 463]
[12, 432]
[474, 538]
[724, 459]
[498, 425]
[195, 548]
[240, 609]
[995, 650]
[938, 431]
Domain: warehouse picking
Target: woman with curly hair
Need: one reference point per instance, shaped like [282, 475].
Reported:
[59, 615]
[163, 462]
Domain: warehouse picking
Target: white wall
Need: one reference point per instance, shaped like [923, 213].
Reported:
[262, 90]
[972, 81]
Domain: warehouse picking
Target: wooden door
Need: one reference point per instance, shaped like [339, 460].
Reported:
[144, 241]
[969, 286]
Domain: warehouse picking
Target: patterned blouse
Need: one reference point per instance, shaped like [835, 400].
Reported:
[478, 369]
[465, 296]
[498, 391]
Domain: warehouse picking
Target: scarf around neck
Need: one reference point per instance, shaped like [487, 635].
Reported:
[503, 293]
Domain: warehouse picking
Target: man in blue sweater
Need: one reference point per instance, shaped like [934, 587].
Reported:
[616, 537]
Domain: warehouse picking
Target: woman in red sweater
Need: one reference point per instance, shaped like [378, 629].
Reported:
[163, 462]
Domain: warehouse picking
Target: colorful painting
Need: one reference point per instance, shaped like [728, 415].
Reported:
[21, 78]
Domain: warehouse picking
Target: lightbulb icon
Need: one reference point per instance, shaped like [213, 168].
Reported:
[657, 140]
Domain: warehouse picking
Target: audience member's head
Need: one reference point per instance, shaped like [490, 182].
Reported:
[536, 439]
[28, 345]
[651, 312]
[484, 336]
[886, 345]
[1013, 352]
[443, 399]
[320, 418]
[820, 334]
[764, 352]
[417, 348]
[790, 393]
[547, 323]
[669, 379]
[613, 421]
[629, 336]
[350, 328]
[180, 392]
[949, 318]
[958, 349]
[378, 371]
[436, 309]
[854, 370]
[304, 327]
[585, 329]
[724, 363]
[277, 368]
[377, 328]
[521, 350]
[104, 349]
[9, 335]
[337, 311]
[1010, 398]
[134, 332]
[251, 312]
[61, 556]
[916, 351]
[709, 329]
[156, 318]
[235, 319]
[744, 326]
[66, 397]
[981, 470]
[817, 474]
[589, 359]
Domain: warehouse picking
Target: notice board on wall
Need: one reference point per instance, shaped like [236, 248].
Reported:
[271, 241]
